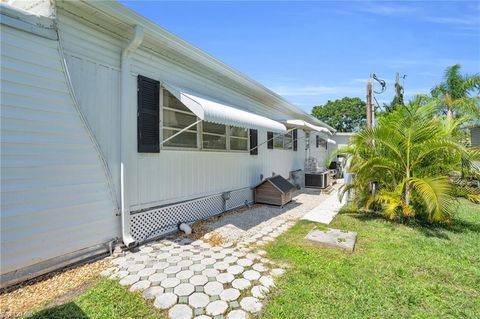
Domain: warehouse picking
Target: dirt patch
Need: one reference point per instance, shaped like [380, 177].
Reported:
[52, 289]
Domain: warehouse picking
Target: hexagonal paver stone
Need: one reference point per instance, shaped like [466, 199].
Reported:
[225, 278]
[157, 278]
[185, 263]
[251, 275]
[259, 292]
[174, 259]
[161, 265]
[208, 261]
[221, 265]
[238, 254]
[170, 282]
[146, 272]
[237, 314]
[119, 260]
[119, 275]
[252, 256]
[172, 270]
[210, 272]
[202, 317]
[277, 271]
[133, 269]
[184, 274]
[267, 281]
[218, 256]
[230, 259]
[129, 280]
[152, 292]
[235, 269]
[244, 262]
[146, 249]
[251, 304]
[216, 308]
[198, 300]
[184, 289]
[230, 294]
[180, 312]
[213, 288]
[197, 267]
[259, 267]
[165, 301]
[216, 248]
[199, 280]
[241, 283]
[140, 285]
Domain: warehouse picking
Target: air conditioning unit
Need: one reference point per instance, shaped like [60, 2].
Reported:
[317, 179]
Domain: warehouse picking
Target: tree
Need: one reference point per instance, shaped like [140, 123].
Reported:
[455, 91]
[345, 115]
[406, 157]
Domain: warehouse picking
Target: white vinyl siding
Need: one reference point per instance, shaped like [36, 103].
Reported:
[55, 197]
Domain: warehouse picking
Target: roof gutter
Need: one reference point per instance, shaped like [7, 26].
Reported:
[133, 44]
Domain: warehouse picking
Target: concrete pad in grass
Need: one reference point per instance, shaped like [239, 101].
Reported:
[333, 238]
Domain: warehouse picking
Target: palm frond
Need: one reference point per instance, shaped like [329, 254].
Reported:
[435, 194]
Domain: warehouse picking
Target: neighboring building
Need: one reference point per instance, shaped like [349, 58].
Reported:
[342, 138]
[113, 128]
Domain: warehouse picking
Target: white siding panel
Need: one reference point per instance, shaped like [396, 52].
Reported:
[55, 197]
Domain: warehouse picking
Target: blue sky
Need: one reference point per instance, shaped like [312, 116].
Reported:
[310, 52]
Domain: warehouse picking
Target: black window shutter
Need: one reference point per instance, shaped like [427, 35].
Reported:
[253, 142]
[148, 125]
[317, 139]
[270, 140]
[295, 137]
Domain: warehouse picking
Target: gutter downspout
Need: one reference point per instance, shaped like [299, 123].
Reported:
[134, 43]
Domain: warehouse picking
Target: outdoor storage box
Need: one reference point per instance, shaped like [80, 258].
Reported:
[274, 190]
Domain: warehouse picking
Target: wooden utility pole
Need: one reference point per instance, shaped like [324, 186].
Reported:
[369, 103]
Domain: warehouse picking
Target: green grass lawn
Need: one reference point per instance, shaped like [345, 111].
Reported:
[395, 272]
[107, 299]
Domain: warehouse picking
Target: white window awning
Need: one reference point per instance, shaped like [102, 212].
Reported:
[306, 126]
[210, 111]
[331, 141]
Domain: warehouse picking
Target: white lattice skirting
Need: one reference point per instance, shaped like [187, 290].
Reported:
[162, 220]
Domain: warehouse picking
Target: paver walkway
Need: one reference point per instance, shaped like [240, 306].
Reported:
[193, 279]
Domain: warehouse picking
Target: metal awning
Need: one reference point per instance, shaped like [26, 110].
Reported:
[210, 111]
[306, 126]
[331, 141]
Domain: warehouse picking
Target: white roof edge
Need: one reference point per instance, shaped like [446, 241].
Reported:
[306, 126]
[211, 111]
[23, 20]
[127, 15]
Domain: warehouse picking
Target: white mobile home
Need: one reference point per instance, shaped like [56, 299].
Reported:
[114, 129]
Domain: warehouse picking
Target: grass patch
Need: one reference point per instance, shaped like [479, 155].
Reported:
[396, 271]
[107, 299]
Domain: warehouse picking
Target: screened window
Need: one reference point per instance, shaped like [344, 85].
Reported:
[238, 139]
[283, 141]
[176, 117]
[214, 136]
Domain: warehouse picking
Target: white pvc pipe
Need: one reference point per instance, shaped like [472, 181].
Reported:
[134, 43]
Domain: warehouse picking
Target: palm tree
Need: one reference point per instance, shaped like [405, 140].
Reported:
[455, 93]
[405, 158]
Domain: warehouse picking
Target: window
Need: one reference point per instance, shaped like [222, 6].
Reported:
[238, 138]
[176, 117]
[283, 141]
[214, 136]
